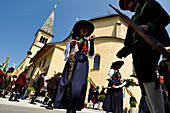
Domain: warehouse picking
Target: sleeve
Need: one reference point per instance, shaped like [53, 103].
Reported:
[70, 50]
[128, 45]
[109, 76]
[159, 15]
[25, 79]
[91, 49]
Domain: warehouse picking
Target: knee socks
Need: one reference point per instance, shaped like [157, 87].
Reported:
[154, 98]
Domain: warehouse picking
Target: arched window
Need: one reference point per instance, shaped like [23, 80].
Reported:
[96, 62]
[46, 41]
[41, 39]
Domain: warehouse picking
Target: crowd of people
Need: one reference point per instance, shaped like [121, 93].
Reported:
[17, 87]
[69, 90]
[45, 90]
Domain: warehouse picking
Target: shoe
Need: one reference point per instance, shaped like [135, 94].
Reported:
[49, 107]
[32, 103]
[45, 103]
[96, 106]
[37, 101]
[16, 100]
[10, 100]
[3, 96]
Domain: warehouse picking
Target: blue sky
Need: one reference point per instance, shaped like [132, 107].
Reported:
[21, 19]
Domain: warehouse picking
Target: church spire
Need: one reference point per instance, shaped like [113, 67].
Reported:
[48, 25]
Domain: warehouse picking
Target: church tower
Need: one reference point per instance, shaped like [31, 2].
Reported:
[43, 36]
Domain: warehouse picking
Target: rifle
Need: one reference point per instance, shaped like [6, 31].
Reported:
[149, 39]
[6, 89]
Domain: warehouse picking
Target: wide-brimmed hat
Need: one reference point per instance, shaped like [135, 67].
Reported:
[11, 69]
[80, 23]
[116, 63]
[124, 4]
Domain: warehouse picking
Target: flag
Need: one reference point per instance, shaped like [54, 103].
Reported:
[37, 72]
[19, 68]
[91, 82]
[4, 65]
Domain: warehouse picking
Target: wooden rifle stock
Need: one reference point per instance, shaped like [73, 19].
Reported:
[149, 39]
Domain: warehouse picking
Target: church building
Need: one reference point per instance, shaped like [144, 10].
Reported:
[110, 31]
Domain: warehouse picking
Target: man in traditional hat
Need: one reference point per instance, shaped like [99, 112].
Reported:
[8, 81]
[95, 97]
[73, 83]
[39, 86]
[19, 84]
[151, 19]
[10, 77]
[90, 96]
[53, 84]
[44, 98]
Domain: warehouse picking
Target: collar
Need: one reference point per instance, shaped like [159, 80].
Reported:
[77, 38]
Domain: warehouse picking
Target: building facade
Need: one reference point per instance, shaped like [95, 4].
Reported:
[110, 31]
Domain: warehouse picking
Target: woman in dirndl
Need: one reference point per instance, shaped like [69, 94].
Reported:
[73, 83]
[114, 97]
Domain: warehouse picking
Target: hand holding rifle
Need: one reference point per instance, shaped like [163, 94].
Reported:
[142, 31]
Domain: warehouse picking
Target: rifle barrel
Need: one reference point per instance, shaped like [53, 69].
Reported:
[148, 38]
[121, 14]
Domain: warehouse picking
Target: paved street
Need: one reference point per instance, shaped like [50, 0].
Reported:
[24, 107]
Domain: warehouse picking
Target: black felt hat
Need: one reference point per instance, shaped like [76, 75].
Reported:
[11, 69]
[123, 4]
[80, 23]
[113, 66]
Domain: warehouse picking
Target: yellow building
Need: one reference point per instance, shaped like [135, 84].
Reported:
[110, 31]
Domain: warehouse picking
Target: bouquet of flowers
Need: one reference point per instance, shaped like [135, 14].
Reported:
[130, 82]
[126, 83]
